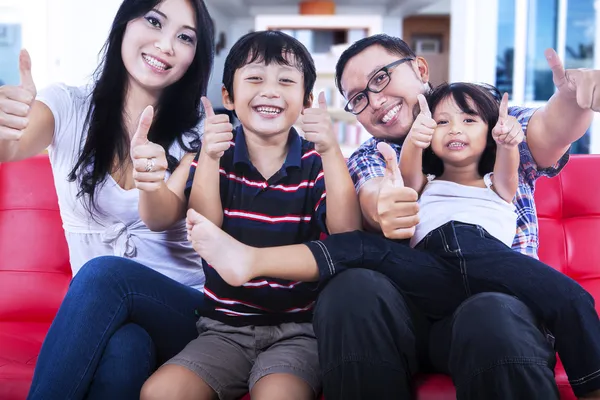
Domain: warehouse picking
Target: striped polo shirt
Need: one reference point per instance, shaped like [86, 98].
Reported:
[288, 208]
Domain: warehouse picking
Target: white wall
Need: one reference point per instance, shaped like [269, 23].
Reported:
[392, 26]
[473, 40]
[79, 29]
[234, 29]
[222, 23]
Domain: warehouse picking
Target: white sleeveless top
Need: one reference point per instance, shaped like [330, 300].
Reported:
[444, 201]
[118, 229]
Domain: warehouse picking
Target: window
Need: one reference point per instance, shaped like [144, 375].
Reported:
[579, 48]
[525, 29]
[580, 35]
[424, 45]
[542, 27]
[506, 46]
[10, 46]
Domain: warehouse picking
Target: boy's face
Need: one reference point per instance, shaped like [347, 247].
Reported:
[268, 99]
[396, 102]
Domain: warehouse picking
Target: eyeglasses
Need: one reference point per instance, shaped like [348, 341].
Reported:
[376, 84]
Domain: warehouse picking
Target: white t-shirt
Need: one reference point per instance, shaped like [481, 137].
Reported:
[118, 229]
[444, 201]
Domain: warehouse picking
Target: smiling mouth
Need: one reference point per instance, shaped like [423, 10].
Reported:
[391, 114]
[268, 110]
[155, 63]
[456, 145]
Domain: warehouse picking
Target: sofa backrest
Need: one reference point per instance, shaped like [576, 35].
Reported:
[34, 259]
[568, 207]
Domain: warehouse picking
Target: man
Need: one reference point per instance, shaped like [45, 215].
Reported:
[371, 340]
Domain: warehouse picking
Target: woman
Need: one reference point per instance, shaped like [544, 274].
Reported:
[121, 315]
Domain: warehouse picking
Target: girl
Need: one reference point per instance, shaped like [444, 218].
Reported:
[464, 237]
[120, 315]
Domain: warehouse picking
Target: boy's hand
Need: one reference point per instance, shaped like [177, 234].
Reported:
[508, 132]
[218, 132]
[16, 101]
[317, 127]
[149, 160]
[397, 208]
[424, 126]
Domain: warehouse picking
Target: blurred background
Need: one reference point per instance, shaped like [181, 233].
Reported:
[500, 42]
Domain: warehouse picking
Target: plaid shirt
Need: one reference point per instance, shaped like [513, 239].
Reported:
[367, 163]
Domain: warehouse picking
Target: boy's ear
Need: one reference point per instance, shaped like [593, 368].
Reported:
[309, 101]
[227, 101]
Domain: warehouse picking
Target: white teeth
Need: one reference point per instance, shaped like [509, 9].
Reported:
[268, 110]
[154, 62]
[456, 145]
[390, 114]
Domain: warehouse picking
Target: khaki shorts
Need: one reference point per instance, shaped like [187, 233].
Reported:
[232, 359]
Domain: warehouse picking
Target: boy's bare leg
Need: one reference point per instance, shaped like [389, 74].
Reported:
[281, 386]
[594, 395]
[176, 383]
[238, 263]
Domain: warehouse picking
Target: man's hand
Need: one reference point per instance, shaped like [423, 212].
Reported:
[317, 127]
[149, 159]
[583, 85]
[218, 132]
[396, 205]
[424, 126]
[508, 132]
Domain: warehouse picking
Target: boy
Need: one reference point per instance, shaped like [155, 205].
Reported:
[264, 185]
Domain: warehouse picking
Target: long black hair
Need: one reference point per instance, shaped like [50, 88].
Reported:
[486, 103]
[176, 117]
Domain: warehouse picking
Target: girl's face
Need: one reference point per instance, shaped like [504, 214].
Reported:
[159, 47]
[460, 138]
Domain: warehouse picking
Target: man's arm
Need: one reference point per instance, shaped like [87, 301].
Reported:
[567, 115]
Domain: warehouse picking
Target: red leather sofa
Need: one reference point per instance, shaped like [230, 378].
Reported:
[35, 272]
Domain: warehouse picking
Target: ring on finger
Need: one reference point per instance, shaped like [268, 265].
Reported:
[150, 163]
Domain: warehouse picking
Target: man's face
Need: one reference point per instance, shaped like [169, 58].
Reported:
[395, 104]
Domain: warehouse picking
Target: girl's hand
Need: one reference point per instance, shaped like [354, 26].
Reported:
[508, 132]
[424, 126]
[16, 101]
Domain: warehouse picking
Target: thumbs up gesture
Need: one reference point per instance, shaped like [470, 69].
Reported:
[218, 132]
[16, 101]
[397, 209]
[317, 126]
[149, 159]
[508, 132]
[421, 132]
[583, 85]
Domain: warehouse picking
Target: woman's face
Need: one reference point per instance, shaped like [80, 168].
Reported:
[159, 47]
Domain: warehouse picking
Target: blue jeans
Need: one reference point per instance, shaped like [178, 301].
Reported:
[118, 321]
[457, 261]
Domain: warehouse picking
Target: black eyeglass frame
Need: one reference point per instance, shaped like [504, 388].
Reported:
[387, 69]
